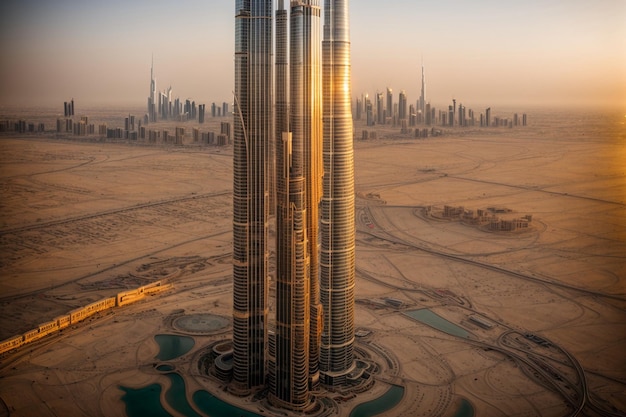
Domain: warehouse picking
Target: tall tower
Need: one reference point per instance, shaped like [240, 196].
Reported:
[389, 108]
[422, 98]
[298, 192]
[152, 97]
[337, 255]
[402, 110]
[253, 130]
[380, 109]
[312, 134]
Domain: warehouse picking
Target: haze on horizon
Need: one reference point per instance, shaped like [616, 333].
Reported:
[557, 52]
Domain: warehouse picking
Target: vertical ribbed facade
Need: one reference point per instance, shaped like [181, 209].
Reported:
[310, 101]
[337, 255]
[298, 168]
[253, 130]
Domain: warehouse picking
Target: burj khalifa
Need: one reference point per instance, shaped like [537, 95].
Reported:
[314, 335]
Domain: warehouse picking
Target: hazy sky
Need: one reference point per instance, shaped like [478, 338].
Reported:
[480, 52]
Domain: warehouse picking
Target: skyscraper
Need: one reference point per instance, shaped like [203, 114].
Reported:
[314, 190]
[337, 234]
[152, 112]
[253, 129]
[422, 105]
[389, 108]
[402, 110]
[298, 183]
[380, 109]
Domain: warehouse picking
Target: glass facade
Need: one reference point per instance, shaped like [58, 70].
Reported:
[252, 134]
[337, 254]
[311, 166]
[298, 190]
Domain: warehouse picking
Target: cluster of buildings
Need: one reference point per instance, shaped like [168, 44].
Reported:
[162, 107]
[134, 130]
[487, 217]
[383, 110]
[21, 126]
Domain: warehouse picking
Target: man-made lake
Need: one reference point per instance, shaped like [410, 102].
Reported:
[426, 316]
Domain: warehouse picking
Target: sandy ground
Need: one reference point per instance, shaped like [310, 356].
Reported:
[84, 220]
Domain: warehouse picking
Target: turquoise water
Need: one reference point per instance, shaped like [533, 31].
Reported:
[214, 407]
[177, 398]
[380, 404]
[465, 409]
[147, 402]
[144, 401]
[172, 346]
[165, 368]
[428, 317]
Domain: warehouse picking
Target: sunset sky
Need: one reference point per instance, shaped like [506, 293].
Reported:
[487, 52]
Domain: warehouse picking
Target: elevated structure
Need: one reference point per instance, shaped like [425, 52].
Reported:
[253, 130]
[389, 107]
[337, 255]
[298, 312]
[152, 103]
[422, 93]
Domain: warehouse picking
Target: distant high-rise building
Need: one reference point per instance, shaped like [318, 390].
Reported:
[380, 109]
[402, 110]
[69, 108]
[201, 113]
[337, 256]
[389, 107]
[453, 112]
[422, 103]
[152, 104]
[224, 109]
[462, 118]
[225, 130]
[412, 116]
[369, 112]
[359, 109]
[253, 129]
[488, 117]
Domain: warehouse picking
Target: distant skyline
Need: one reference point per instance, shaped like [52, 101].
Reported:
[565, 52]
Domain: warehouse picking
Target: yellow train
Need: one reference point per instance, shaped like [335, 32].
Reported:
[79, 315]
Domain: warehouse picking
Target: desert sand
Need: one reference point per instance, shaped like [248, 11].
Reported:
[84, 219]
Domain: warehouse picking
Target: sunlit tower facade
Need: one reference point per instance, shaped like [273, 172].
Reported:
[253, 128]
[298, 312]
[337, 234]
